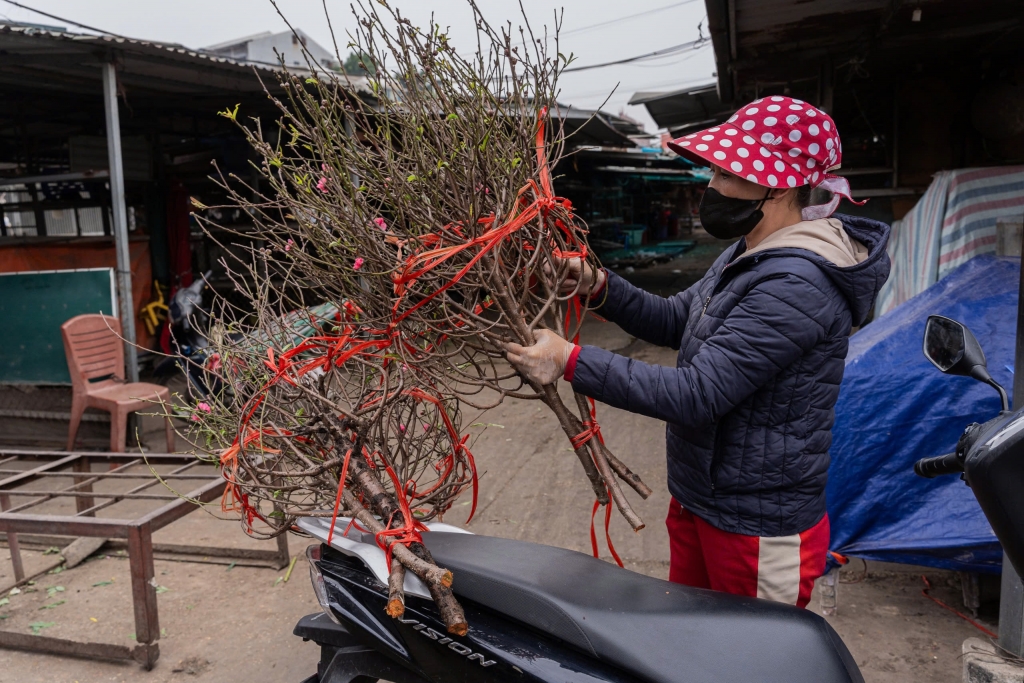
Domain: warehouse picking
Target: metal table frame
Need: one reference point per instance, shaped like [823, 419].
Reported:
[16, 517]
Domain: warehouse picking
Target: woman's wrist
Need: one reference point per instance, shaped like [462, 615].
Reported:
[570, 363]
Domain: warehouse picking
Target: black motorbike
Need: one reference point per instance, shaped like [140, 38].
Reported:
[989, 457]
[538, 613]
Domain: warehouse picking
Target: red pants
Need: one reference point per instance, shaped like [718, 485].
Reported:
[781, 568]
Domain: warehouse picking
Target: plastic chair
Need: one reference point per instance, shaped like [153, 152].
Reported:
[95, 353]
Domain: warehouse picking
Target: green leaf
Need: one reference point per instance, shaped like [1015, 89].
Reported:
[230, 113]
[452, 117]
[5, 601]
[162, 589]
[412, 178]
[53, 604]
[52, 550]
[38, 626]
[102, 583]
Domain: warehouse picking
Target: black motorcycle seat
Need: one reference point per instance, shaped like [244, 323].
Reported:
[655, 630]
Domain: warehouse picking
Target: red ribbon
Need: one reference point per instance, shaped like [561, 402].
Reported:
[607, 533]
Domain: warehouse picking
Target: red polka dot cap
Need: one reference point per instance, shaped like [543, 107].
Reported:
[775, 142]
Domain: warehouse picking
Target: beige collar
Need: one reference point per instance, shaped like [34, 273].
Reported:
[825, 237]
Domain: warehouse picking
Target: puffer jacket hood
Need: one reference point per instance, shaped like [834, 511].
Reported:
[750, 404]
[861, 283]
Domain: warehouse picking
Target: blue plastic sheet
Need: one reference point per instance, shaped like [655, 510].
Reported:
[895, 407]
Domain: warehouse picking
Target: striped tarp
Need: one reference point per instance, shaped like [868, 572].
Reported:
[953, 222]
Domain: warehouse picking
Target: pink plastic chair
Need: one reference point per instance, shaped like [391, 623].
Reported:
[95, 353]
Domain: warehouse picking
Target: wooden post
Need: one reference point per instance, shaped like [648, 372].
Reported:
[140, 561]
[283, 556]
[12, 543]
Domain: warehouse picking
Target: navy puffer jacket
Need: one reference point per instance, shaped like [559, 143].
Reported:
[762, 342]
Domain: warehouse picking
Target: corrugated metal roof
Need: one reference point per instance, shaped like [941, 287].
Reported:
[48, 60]
[679, 109]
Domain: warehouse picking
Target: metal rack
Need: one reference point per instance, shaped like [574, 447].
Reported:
[64, 476]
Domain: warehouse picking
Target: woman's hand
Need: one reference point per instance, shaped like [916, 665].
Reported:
[589, 278]
[545, 361]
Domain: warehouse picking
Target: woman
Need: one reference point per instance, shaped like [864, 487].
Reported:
[762, 339]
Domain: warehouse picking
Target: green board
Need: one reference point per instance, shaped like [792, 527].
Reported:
[33, 306]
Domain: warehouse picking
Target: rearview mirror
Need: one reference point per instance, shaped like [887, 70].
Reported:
[953, 349]
[946, 346]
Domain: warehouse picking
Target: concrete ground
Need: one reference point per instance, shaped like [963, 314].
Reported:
[221, 623]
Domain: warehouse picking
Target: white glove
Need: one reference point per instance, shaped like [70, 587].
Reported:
[545, 361]
[579, 272]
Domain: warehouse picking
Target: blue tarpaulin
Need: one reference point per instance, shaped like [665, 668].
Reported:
[895, 407]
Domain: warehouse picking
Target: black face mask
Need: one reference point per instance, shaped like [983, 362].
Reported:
[727, 217]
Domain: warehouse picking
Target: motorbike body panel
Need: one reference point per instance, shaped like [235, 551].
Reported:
[994, 468]
[495, 649]
[538, 613]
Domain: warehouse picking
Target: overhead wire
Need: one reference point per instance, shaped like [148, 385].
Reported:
[118, 35]
[626, 17]
[66, 21]
[673, 49]
[653, 63]
[676, 82]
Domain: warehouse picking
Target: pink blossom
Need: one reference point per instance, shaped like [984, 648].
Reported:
[322, 185]
[358, 263]
[426, 427]
[323, 167]
[196, 418]
[289, 245]
[205, 407]
[379, 222]
[401, 428]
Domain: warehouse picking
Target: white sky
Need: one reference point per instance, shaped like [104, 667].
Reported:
[196, 23]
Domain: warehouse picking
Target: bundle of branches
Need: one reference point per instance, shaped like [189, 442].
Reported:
[313, 420]
[427, 208]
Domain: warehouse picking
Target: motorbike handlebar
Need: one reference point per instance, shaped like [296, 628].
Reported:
[930, 468]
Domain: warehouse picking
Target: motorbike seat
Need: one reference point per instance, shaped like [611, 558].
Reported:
[655, 630]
